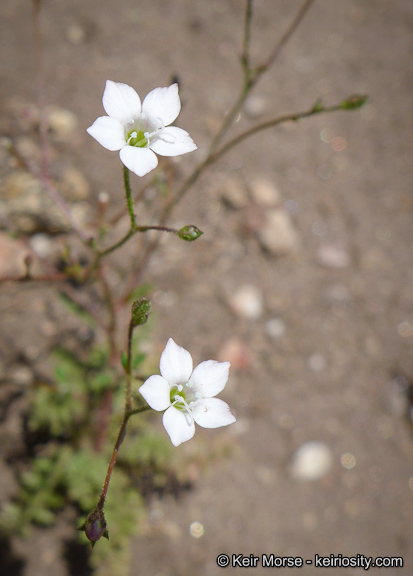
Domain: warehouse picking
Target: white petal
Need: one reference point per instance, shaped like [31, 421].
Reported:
[156, 392]
[178, 425]
[173, 141]
[108, 132]
[163, 103]
[138, 160]
[121, 102]
[176, 364]
[210, 377]
[212, 413]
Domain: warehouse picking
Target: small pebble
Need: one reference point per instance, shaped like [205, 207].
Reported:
[332, 256]
[62, 122]
[42, 245]
[247, 302]
[21, 375]
[316, 362]
[75, 34]
[233, 193]
[278, 235]
[311, 461]
[237, 352]
[254, 106]
[265, 193]
[275, 328]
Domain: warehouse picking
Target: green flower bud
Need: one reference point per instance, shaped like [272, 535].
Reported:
[189, 233]
[95, 526]
[140, 311]
[354, 102]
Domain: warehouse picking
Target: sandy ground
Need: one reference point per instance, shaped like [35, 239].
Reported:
[318, 362]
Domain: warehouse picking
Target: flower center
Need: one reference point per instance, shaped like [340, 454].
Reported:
[138, 137]
[178, 397]
[183, 400]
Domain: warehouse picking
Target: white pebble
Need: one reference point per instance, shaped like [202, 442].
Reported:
[265, 193]
[247, 302]
[333, 256]
[254, 106]
[275, 328]
[311, 461]
[42, 244]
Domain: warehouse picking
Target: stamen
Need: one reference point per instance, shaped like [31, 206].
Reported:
[187, 411]
[133, 135]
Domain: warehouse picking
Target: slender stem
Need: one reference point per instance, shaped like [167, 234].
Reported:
[160, 228]
[126, 237]
[139, 410]
[270, 124]
[126, 180]
[128, 412]
[245, 58]
[251, 76]
[112, 462]
[230, 117]
[285, 37]
[119, 440]
[118, 244]
[190, 181]
[138, 196]
[128, 369]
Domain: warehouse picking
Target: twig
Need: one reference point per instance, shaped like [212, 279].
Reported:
[285, 37]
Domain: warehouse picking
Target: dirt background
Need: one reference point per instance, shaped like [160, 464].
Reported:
[319, 362]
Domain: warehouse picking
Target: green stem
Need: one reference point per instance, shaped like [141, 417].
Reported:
[115, 453]
[270, 124]
[117, 244]
[126, 415]
[128, 368]
[160, 228]
[129, 201]
[247, 29]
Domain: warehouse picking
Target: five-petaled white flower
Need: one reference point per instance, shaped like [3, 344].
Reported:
[139, 130]
[186, 394]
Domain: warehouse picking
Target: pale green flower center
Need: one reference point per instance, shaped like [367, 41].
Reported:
[183, 398]
[137, 139]
[178, 397]
[142, 131]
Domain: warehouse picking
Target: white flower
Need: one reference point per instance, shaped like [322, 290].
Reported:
[186, 395]
[139, 131]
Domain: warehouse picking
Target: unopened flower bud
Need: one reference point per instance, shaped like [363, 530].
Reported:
[189, 233]
[95, 526]
[353, 102]
[140, 311]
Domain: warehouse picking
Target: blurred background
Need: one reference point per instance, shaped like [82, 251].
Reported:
[302, 279]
